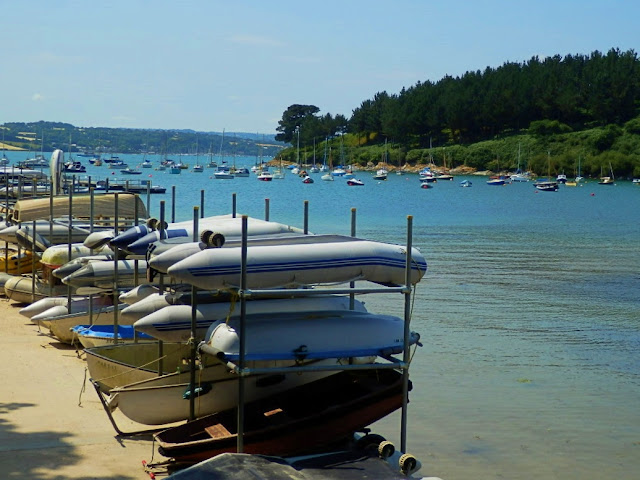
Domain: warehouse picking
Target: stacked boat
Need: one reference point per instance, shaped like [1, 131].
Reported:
[250, 313]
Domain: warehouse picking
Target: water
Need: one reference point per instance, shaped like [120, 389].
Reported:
[529, 314]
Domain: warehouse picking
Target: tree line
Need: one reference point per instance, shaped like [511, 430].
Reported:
[541, 98]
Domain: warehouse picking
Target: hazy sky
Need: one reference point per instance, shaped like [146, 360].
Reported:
[209, 65]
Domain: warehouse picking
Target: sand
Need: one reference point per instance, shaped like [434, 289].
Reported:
[52, 424]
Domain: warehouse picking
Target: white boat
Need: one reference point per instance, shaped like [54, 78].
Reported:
[27, 289]
[308, 335]
[164, 253]
[285, 265]
[327, 177]
[116, 365]
[137, 293]
[91, 336]
[173, 323]
[265, 176]
[521, 177]
[79, 303]
[102, 274]
[355, 182]
[381, 174]
[223, 173]
[60, 326]
[166, 399]
[150, 304]
[224, 226]
[146, 164]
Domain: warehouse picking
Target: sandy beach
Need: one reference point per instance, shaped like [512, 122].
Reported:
[52, 424]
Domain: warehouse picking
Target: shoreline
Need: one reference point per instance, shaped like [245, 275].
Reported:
[52, 424]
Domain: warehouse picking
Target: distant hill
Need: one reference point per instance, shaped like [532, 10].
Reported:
[48, 136]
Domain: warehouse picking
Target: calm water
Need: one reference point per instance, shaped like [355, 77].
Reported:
[529, 314]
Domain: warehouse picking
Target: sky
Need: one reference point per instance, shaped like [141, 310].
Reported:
[210, 65]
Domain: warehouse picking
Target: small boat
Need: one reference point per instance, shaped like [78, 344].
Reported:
[265, 176]
[354, 182]
[426, 175]
[466, 183]
[223, 173]
[17, 261]
[146, 164]
[74, 167]
[547, 186]
[307, 335]
[96, 162]
[606, 181]
[561, 178]
[426, 185]
[198, 168]
[283, 265]
[499, 180]
[117, 164]
[91, 336]
[521, 177]
[338, 172]
[327, 177]
[175, 169]
[294, 422]
[137, 239]
[130, 171]
[241, 172]
[101, 274]
[444, 176]
[173, 322]
[307, 179]
[381, 174]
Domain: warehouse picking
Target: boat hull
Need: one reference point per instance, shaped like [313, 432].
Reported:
[162, 400]
[294, 265]
[300, 421]
[308, 335]
[173, 323]
[116, 365]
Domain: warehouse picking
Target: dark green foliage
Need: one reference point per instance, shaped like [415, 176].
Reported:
[548, 127]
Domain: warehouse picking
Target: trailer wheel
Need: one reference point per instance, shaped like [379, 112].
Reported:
[407, 463]
[386, 449]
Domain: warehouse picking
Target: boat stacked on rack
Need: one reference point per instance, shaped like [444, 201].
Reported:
[296, 339]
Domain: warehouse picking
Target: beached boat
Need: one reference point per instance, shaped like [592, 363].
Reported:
[173, 323]
[28, 289]
[116, 365]
[102, 274]
[78, 303]
[91, 336]
[165, 399]
[60, 326]
[15, 262]
[297, 421]
[285, 265]
[164, 253]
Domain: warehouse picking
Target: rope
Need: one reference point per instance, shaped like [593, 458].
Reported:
[131, 369]
[83, 388]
